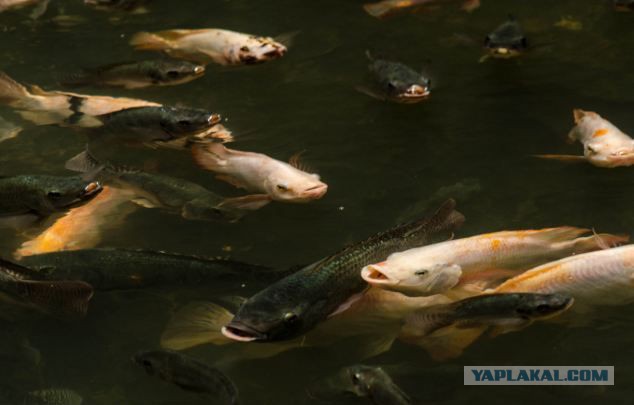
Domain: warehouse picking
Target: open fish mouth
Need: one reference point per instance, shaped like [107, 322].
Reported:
[91, 190]
[199, 70]
[241, 333]
[374, 275]
[504, 51]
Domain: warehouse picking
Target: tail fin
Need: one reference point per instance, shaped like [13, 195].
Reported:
[378, 10]
[560, 234]
[210, 156]
[66, 299]
[149, 41]
[196, 324]
[12, 92]
[599, 241]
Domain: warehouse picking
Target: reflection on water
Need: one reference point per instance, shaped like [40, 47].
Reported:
[383, 163]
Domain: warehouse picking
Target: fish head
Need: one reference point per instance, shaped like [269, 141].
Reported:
[610, 154]
[541, 306]
[174, 71]
[182, 122]
[258, 49]
[506, 41]
[365, 378]
[152, 361]
[401, 83]
[412, 277]
[289, 184]
[202, 209]
[64, 192]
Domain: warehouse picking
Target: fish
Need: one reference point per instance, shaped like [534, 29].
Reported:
[299, 302]
[375, 384]
[61, 298]
[132, 6]
[53, 396]
[386, 8]
[255, 172]
[136, 75]
[623, 5]
[447, 328]
[417, 271]
[152, 190]
[397, 82]
[62, 108]
[32, 197]
[109, 269]
[604, 145]
[81, 227]
[219, 46]
[595, 278]
[507, 40]
[188, 374]
[14, 4]
[8, 130]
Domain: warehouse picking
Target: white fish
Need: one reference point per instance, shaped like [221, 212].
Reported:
[10, 4]
[417, 270]
[211, 45]
[604, 145]
[260, 173]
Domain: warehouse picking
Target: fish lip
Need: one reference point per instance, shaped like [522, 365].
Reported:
[366, 274]
[214, 119]
[315, 192]
[241, 333]
[91, 190]
[278, 52]
[199, 70]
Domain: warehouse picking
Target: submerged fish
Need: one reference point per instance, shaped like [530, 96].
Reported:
[13, 4]
[507, 40]
[8, 130]
[152, 190]
[61, 108]
[624, 5]
[53, 396]
[417, 271]
[134, 75]
[604, 145]
[397, 82]
[375, 384]
[134, 6]
[446, 329]
[20, 285]
[260, 173]
[188, 374]
[387, 7]
[211, 45]
[121, 269]
[38, 196]
[299, 302]
[81, 227]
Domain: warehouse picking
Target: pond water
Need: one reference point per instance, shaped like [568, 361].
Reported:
[383, 163]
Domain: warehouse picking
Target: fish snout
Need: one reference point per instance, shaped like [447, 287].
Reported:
[315, 192]
[199, 70]
[278, 51]
[416, 90]
[241, 333]
[375, 274]
[214, 119]
[91, 190]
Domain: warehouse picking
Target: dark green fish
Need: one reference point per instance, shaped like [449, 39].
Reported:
[188, 374]
[134, 75]
[503, 311]
[507, 40]
[188, 199]
[22, 286]
[53, 396]
[157, 124]
[376, 385]
[123, 5]
[297, 303]
[119, 269]
[41, 195]
[397, 82]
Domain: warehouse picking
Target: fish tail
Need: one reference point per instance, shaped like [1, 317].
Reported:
[66, 299]
[196, 324]
[210, 156]
[12, 92]
[149, 41]
[599, 241]
[378, 10]
[560, 234]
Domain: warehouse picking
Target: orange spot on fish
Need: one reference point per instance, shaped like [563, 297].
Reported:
[600, 132]
[495, 244]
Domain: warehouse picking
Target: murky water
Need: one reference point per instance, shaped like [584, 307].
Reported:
[382, 163]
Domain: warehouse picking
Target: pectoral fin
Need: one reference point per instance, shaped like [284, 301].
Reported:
[448, 343]
[232, 180]
[247, 202]
[196, 324]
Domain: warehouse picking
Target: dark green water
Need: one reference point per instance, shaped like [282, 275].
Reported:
[380, 161]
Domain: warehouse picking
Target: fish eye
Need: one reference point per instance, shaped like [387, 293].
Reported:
[524, 43]
[391, 86]
[244, 49]
[421, 272]
[282, 187]
[356, 377]
[487, 40]
[54, 195]
[591, 149]
[173, 74]
[290, 318]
